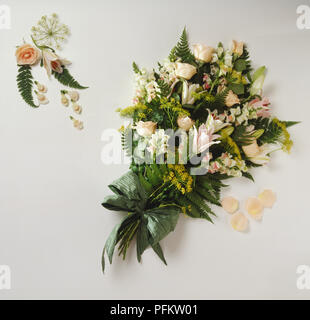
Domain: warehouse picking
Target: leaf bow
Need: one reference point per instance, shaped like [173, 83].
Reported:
[149, 225]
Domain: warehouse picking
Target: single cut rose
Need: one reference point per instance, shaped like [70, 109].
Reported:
[27, 55]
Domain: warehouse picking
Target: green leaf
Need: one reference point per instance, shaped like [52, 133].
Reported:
[157, 249]
[161, 221]
[119, 233]
[258, 73]
[129, 186]
[248, 176]
[290, 123]
[119, 203]
[25, 85]
[240, 65]
[258, 81]
[129, 194]
[142, 240]
[66, 79]
[237, 88]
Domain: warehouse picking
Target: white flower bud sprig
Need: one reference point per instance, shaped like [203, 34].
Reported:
[42, 99]
[41, 87]
[73, 97]
[64, 100]
[77, 123]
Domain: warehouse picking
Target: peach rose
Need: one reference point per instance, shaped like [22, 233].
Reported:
[185, 122]
[231, 99]
[27, 55]
[146, 129]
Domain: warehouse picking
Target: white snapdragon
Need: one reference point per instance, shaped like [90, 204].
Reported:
[146, 88]
[167, 71]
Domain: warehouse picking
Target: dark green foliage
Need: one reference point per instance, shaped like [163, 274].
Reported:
[248, 176]
[182, 50]
[237, 88]
[243, 63]
[150, 226]
[135, 68]
[241, 136]
[66, 79]
[25, 85]
[290, 123]
[164, 88]
[272, 131]
[207, 101]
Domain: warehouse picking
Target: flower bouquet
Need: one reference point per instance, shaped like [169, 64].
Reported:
[196, 122]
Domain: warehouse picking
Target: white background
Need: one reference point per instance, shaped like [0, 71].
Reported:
[52, 180]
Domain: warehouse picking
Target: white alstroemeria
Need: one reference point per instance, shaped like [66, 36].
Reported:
[187, 91]
[258, 81]
[158, 142]
[262, 157]
[52, 62]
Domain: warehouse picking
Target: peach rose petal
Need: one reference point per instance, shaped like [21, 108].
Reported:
[239, 221]
[230, 204]
[267, 197]
[255, 208]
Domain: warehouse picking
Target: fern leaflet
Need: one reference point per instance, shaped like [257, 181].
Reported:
[25, 85]
[66, 79]
[182, 50]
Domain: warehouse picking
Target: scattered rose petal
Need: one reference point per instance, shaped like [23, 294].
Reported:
[230, 204]
[267, 197]
[239, 221]
[255, 208]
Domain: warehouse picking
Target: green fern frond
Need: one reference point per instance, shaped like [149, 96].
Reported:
[172, 55]
[272, 132]
[66, 79]
[25, 85]
[241, 136]
[163, 87]
[200, 209]
[126, 141]
[182, 50]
